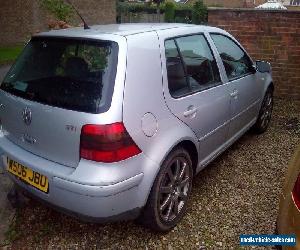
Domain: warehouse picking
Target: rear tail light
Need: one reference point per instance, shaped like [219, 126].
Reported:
[296, 193]
[107, 143]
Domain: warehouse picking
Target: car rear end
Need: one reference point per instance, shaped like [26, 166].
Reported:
[288, 221]
[62, 137]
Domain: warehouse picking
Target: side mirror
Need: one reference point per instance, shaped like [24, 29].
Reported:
[263, 67]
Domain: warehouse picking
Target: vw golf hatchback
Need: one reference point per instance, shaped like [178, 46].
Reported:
[113, 122]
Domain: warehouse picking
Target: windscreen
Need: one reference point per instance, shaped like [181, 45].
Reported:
[72, 74]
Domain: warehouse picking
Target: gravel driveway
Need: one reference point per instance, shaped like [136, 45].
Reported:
[236, 194]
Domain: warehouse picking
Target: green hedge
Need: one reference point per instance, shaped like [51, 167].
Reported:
[183, 13]
[124, 7]
[170, 12]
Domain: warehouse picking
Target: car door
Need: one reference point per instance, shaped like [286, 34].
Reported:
[194, 91]
[243, 84]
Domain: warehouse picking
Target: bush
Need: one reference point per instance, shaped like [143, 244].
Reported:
[124, 7]
[169, 12]
[174, 12]
[179, 19]
[183, 13]
[59, 9]
[199, 13]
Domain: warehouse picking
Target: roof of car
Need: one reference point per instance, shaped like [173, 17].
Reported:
[122, 29]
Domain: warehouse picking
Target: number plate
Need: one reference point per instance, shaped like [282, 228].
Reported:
[27, 175]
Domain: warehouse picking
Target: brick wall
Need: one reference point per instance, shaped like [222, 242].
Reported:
[273, 36]
[19, 19]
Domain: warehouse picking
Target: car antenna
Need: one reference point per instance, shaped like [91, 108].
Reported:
[85, 25]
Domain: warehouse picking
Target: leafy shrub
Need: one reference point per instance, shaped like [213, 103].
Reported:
[124, 7]
[179, 19]
[169, 12]
[183, 13]
[59, 9]
[199, 13]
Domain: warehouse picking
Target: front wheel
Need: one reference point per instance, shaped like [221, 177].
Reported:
[265, 113]
[168, 198]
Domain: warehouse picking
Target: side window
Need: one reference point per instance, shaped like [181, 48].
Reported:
[178, 85]
[190, 59]
[201, 67]
[235, 60]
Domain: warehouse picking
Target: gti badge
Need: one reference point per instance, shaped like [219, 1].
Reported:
[27, 116]
[29, 139]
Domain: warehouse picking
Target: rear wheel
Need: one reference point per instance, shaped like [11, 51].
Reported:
[168, 198]
[265, 113]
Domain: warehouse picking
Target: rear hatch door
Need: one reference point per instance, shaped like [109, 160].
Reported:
[56, 86]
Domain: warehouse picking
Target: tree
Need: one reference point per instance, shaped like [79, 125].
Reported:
[61, 10]
[169, 12]
[158, 3]
[199, 13]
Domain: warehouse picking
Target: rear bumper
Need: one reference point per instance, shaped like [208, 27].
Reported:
[124, 216]
[92, 191]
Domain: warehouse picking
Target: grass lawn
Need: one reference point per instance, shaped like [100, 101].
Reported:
[9, 54]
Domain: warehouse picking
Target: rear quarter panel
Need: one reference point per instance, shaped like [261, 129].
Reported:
[143, 95]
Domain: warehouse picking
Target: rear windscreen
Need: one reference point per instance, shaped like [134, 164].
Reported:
[72, 74]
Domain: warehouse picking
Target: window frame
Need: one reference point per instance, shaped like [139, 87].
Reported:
[240, 46]
[183, 64]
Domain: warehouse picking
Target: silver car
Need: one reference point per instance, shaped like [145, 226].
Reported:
[113, 122]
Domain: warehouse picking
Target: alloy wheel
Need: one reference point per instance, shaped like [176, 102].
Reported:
[266, 111]
[174, 188]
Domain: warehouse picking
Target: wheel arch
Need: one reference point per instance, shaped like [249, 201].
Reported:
[191, 148]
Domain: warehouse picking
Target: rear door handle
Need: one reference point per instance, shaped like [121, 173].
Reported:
[234, 94]
[191, 111]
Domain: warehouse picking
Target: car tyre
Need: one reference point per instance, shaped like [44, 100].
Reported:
[265, 113]
[167, 201]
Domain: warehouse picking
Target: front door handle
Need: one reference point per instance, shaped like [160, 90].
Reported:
[190, 112]
[234, 94]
